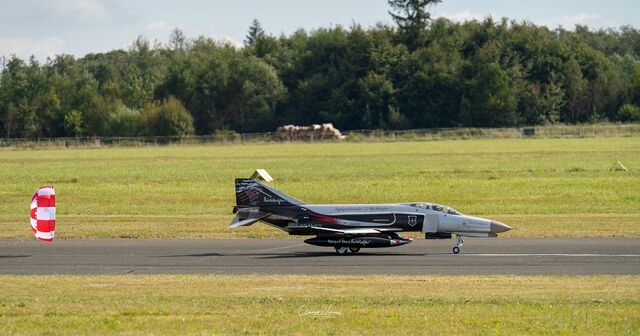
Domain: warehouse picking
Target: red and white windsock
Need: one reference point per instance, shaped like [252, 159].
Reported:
[43, 213]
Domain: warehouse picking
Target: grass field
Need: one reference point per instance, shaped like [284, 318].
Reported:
[333, 305]
[541, 187]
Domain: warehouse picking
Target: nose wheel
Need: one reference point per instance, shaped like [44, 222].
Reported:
[459, 243]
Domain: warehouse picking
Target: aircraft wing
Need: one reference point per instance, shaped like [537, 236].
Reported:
[358, 230]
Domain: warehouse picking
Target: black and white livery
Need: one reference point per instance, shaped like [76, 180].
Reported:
[350, 227]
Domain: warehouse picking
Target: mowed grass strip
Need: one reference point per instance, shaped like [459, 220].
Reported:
[349, 305]
[542, 187]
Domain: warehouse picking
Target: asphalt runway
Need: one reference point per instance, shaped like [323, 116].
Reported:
[291, 256]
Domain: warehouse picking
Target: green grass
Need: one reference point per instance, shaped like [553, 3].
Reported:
[542, 187]
[333, 305]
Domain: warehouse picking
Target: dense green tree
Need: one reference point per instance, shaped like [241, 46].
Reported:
[378, 108]
[177, 40]
[413, 18]
[125, 122]
[255, 33]
[429, 87]
[14, 106]
[629, 113]
[167, 118]
[73, 122]
[224, 88]
[488, 99]
[420, 73]
[575, 86]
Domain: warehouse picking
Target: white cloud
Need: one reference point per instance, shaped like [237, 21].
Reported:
[158, 27]
[161, 29]
[580, 18]
[569, 21]
[228, 40]
[466, 15]
[85, 9]
[25, 47]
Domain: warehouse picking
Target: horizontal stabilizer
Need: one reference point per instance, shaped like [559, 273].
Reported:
[245, 222]
[246, 217]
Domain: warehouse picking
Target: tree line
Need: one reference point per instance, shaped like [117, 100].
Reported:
[419, 73]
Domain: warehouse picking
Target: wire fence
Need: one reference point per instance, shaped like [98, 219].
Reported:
[228, 137]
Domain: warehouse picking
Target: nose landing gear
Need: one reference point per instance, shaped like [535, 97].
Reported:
[459, 243]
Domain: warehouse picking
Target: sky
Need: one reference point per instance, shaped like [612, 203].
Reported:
[45, 28]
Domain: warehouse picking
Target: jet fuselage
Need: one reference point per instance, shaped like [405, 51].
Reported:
[352, 226]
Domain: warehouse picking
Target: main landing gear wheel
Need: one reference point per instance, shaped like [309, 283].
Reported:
[341, 250]
[354, 249]
[459, 243]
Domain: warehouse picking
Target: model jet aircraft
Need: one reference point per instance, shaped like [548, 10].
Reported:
[350, 227]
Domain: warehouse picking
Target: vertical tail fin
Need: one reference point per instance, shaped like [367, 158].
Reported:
[251, 193]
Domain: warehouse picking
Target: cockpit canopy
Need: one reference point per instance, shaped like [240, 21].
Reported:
[436, 207]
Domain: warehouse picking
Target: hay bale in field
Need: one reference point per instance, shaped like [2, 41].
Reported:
[308, 133]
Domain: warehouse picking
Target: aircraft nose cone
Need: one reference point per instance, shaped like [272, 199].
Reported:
[497, 227]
